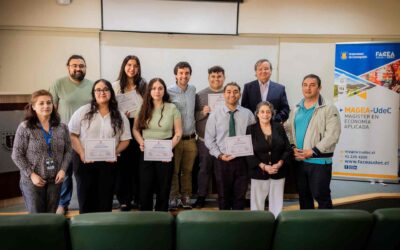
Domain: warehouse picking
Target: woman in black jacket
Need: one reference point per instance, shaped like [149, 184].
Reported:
[267, 165]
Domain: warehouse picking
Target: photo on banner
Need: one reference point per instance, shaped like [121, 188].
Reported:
[366, 92]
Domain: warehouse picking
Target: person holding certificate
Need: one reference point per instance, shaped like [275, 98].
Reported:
[216, 78]
[225, 121]
[42, 151]
[158, 119]
[266, 166]
[99, 132]
[129, 90]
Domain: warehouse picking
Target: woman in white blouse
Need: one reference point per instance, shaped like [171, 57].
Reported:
[99, 119]
[132, 86]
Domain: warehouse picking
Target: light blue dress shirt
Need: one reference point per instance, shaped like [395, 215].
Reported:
[217, 128]
[185, 102]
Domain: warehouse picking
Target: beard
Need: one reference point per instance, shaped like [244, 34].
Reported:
[77, 75]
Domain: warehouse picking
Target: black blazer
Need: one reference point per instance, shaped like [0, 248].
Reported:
[276, 95]
[279, 150]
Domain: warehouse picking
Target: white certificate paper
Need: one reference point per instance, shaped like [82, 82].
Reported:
[127, 102]
[239, 145]
[214, 100]
[100, 150]
[157, 150]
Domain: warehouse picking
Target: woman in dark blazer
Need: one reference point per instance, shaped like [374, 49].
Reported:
[267, 165]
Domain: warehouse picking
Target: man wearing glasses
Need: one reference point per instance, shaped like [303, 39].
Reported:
[70, 93]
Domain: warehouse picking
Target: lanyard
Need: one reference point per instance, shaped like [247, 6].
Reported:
[47, 138]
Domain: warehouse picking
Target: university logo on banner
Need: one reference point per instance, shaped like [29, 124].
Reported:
[7, 139]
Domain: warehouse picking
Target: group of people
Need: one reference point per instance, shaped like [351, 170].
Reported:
[50, 142]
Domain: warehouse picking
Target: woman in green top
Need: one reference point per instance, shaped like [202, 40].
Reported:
[158, 119]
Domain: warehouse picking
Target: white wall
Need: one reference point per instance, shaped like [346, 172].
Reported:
[36, 38]
[47, 13]
[159, 53]
[302, 56]
[320, 17]
[31, 60]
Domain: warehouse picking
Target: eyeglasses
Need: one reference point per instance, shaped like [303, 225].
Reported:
[80, 66]
[105, 90]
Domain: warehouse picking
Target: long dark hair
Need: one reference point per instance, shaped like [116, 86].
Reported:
[116, 119]
[146, 112]
[137, 79]
[31, 118]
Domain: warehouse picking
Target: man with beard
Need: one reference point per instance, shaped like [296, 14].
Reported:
[70, 93]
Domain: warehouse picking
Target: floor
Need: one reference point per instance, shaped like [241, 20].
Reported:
[343, 191]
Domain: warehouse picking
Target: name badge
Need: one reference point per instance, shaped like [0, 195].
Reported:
[50, 164]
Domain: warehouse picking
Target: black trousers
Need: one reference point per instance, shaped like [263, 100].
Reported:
[232, 181]
[95, 186]
[127, 182]
[206, 162]
[155, 177]
[313, 182]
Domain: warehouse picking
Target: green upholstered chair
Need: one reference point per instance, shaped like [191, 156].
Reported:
[33, 231]
[322, 229]
[386, 231]
[224, 230]
[128, 230]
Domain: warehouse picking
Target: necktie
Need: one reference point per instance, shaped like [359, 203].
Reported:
[232, 130]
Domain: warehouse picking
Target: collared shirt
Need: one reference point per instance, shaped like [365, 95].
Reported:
[117, 90]
[100, 126]
[217, 128]
[301, 121]
[201, 101]
[184, 100]
[264, 90]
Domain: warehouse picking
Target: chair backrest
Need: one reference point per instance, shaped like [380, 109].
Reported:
[224, 230]
[322, 229]
[130, 230]
[33, 231]
[386, 230]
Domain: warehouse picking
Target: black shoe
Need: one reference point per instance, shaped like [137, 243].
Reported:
[124, 208]
[200, 202]
[135, 205]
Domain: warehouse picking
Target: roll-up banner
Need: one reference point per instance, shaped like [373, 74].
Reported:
[366, 92]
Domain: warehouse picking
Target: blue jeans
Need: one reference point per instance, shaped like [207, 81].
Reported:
[66, 188]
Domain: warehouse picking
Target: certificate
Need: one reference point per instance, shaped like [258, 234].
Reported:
[127, 102]
[100, 150]
[157, 150]
[215, 100]
[239, 145]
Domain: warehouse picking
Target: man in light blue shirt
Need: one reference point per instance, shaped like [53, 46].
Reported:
[183, 96]
[230, 172]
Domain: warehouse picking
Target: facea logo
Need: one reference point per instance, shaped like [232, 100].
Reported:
[385, 55]
[343, 56]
